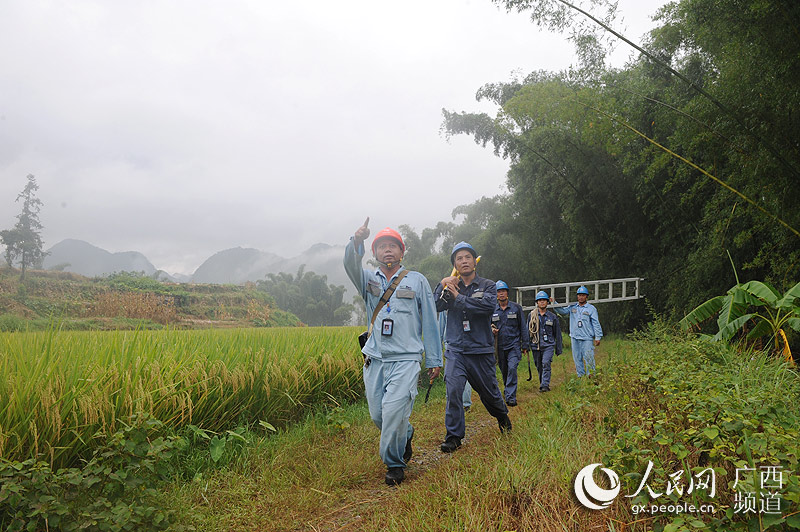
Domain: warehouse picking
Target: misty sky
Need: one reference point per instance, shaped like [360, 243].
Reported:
[181, 128]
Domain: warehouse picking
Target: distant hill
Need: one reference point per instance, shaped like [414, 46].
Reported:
[235, 265]
[231, 266]
[85, 259]
[238, 265]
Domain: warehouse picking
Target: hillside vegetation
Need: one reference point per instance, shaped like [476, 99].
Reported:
[129, 300]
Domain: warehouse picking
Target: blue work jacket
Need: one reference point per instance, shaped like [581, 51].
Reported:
[584, 324]
[513, 327]
[549, 331]
[413, 328]
[469, 316]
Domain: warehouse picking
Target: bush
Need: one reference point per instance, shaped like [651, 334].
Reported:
[690, 405]
[136, 281]
[113, 491]
[10, 322]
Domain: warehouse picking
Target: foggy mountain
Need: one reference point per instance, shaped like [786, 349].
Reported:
[238, 265]
[234, 266]
[231, 266]
[83, 258]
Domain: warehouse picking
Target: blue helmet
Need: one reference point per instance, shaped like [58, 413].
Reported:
[458, 247]
[541, 294]
[583, 290]
[501, 285]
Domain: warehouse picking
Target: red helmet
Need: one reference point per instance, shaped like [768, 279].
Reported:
[388, 233]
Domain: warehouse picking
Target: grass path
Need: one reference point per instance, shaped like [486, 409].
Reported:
[320, 478]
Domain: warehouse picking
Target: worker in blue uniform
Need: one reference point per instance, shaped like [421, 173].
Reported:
[511, 329]
[545, 334]
[403, 329]
[469, 301]
[585, 331]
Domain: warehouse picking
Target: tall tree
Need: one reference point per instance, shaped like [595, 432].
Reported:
[638, 172]
[24, 241]
[309, 297]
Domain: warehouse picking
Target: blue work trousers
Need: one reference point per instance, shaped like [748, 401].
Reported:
[391, 388]
[479, 371]
[509, 361]
[583, 355]
[543, 359]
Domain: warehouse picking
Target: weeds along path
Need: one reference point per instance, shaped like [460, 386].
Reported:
[320, 479]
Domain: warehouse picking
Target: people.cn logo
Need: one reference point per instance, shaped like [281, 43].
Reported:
[590, 494]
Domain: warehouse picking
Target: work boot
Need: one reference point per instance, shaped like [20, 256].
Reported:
[511, 402]
[394, 476]
[544, 389]
[409, 451]
[450, 444]
[504, 423]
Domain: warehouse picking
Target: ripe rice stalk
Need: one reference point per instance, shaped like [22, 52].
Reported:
[62, 392]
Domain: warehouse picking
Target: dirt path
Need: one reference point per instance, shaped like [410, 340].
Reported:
[428, 420]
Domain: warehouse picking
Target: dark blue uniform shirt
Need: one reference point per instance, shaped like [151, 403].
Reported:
[549, 331]
[469, 315]
[513, 327]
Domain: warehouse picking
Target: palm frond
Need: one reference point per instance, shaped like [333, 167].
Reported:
[703, 312]
[730, 330]
[787, 302]
[762, 327]
[763, 291]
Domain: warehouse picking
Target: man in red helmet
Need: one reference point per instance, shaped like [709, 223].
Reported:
[401, 330]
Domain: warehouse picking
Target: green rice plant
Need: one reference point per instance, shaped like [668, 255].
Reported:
[62, 393]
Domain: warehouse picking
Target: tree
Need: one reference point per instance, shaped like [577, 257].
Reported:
[24, 242]
[600, 182]
[309, 297]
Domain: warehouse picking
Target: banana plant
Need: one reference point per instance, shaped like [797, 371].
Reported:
[753, 301]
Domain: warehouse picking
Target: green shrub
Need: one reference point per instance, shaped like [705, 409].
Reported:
[136, 281]
[10, 323]
[689, 404]
[113, 491]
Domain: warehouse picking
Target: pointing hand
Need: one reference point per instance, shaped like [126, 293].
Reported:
[362, 233]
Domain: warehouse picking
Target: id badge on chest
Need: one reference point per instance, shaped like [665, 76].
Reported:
[466, 326]
[387, 327]
[580, 323]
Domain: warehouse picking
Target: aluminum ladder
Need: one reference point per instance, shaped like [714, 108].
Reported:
[602, 291]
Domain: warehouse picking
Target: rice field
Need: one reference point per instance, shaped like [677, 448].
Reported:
[62, 392]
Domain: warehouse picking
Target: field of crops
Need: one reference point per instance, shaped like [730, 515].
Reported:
[62, 391]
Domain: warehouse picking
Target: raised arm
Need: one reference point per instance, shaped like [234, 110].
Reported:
[353, 255]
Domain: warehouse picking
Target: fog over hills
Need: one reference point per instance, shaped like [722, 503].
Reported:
[83, 258]
[230, 266]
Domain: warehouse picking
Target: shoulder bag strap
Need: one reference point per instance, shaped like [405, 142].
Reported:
[385, 297]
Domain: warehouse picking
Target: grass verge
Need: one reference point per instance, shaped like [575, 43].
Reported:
[325, 474]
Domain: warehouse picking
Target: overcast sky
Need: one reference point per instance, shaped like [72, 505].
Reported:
[182, 128]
